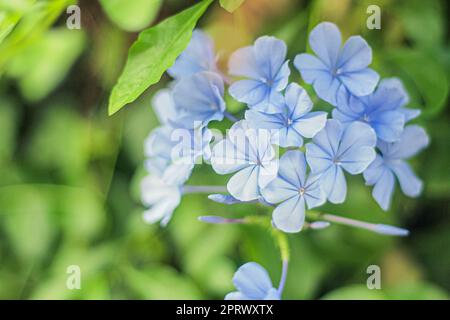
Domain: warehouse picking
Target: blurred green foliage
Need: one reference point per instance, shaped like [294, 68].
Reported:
[69, 174]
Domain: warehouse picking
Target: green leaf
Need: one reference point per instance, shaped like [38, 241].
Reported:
[231, 5]
[52, 55]
[153, 53]
[131, 15]
[34, 20]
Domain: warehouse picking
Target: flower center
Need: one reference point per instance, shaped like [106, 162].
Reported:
[289, 121]
[301, 191]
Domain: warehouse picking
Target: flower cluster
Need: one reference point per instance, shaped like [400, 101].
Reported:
[367, 134]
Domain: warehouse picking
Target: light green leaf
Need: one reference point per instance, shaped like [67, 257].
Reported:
[153, 53]
[231, 5]
[131, 15]
[52, 56]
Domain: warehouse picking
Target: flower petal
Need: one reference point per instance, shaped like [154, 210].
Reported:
[411, 185]
[297, 101]
[310, 67]
[355, 55]
[361, 82]
[252, 280]
[334, 185]
[243, 185]
[243, 63]
[270, 54]
[310, 124]
[384, 188]
[289, 216]
[325, 41]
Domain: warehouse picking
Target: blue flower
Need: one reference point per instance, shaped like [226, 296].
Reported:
[164, 106]
[396, 83]
[197, 57]
[335, 149]
[293, 188]
[171, 153]
[294, 120]
[267, 73]
[381, 110]
[162, 198]
[391, 163]
[199, 99]
[253, 283]
[249, 153]
[337, 71]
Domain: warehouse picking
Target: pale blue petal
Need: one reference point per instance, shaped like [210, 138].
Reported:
[236, 295]
[272, 103]
[355, 55]
[227, 158]
[412, 141]
[288, 137]
[318, 158]
[242, 63]
[310, 124]
[410, 114]
[198, 56]
[252, 280]
[384, 189]
[314, 195]
[289, 216]
[297, 101]
[356, 160]
[223, 198]
[334, 184]
[270, 54]
[328, 138]
[293, 168]
[388, 125]
[411, 185]
[328, 87]
[398, 85]
[250, 92]
[361, 82]
[310, 67]
[164, 106]
[199, 92]
[272, 295]
[374, 171]
[279, 190]
[263, 120]
[325, 41]
[356, 135]
[243, 185]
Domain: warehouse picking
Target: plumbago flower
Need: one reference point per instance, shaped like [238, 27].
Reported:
[162, 198]
[198, 100]
[267, 71]
[294, 189]
[253, 283]
[381, 110]
[249, 153]
[336, 71]
[335, 149]
[391, 163]
[293, 121]
[197, 57]
[280, 114]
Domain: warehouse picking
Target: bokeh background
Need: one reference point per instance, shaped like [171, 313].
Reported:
[69, 174]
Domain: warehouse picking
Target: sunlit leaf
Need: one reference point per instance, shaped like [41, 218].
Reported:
[231, 5]
[131, 15]
[153, 53]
